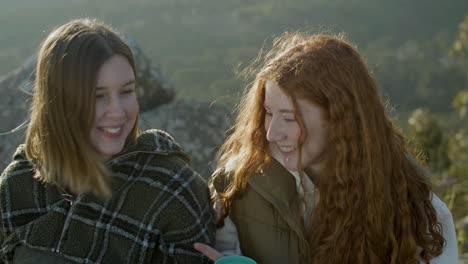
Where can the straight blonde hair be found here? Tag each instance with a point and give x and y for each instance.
(63, 107)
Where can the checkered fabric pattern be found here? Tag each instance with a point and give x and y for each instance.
(158, 209)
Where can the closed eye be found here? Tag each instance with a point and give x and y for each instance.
(289, 117)
(127, 91)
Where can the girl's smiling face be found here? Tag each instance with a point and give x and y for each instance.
(283, 131)
(116, 106)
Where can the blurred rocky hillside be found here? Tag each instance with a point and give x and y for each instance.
(198, 126)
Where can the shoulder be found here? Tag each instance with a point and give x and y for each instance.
(444, 216)
(17, 191)
(154, 149)
(443, 213)
(157, 141)
(166, 157)
(221, 180)
(224, 176)
(19, 167)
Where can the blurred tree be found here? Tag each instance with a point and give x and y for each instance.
(427, 134)
(458, 154)
(447, 147)
(461, 103)
(416, 74)
(446, 151)
(460, 46)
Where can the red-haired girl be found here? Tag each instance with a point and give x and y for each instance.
(315, 171)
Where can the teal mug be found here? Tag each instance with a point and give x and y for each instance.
(235, 260)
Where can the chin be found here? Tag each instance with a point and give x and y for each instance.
(111, 152)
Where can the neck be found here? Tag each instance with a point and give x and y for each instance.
(312, 174)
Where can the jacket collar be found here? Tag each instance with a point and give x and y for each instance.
(277, 185)
(158, 141)
(152, 141)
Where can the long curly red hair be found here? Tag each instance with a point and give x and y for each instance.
(374, 204)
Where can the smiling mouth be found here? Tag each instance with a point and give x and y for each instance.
(287, 149)
(111, 130)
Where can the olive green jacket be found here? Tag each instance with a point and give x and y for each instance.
(268, 218)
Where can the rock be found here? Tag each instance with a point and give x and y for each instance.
(198, 126)
(153, 88)
(15, 89)
(8, 145)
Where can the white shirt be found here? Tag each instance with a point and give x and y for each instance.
(444, 216)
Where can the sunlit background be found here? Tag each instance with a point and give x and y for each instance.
(417, 50)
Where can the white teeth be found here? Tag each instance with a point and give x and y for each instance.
(111, 130)
(287, 148)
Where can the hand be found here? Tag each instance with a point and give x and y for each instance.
(208, 251)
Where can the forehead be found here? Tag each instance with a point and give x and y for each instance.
(275, 97)
(115, 71)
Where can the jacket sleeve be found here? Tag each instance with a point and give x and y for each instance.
(227, 239)
(2, 239)
(188, 218)
(19, 165)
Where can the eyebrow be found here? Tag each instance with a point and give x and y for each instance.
(282, 110)
(125, 84)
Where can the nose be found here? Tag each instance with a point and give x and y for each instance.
(115, 108)
(275, 131)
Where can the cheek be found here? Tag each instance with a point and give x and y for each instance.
(99, 109)
(294, 132)
(267, 123)
(324, 138)
(131, 106)
(317, 141)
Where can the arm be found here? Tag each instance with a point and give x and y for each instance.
(227, 242)
(19, 163)
(227, 239)
(186, 219)
(2, 239)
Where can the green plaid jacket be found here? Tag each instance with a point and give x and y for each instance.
(158, 209)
